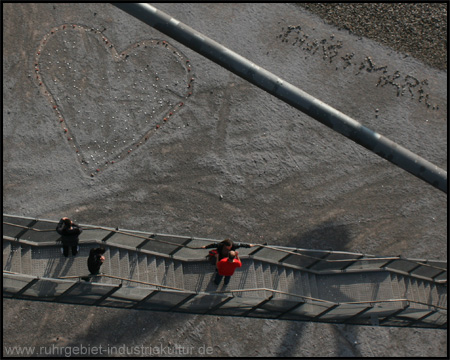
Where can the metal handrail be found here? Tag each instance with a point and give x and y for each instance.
(352, 260)
(330, 302)
(260, 245)
(250, 257)
(79, 277)
(151, 238)
(116, 231)
(123, 279)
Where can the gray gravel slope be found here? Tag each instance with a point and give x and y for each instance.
(284, 178)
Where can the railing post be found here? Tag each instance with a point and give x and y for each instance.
(421, 318)
(257, 306)
(352, 262)
(145, 241)
(283, 259)
(218, 306)
(108, 294)
(181, 246)
(439, 273)
(60, 296)
(107, 237)
(394, 314)
(389, 262)
(325, 311)
(185, 300)
(255, 251)
(21, 233)
(318, 261)
(358, 314)
(290, 309)
(153, 293)
(25, 288)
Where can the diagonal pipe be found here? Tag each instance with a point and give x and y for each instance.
(288, 93)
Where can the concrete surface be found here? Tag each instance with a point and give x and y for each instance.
(231, 162)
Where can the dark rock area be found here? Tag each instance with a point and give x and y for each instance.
(417, 29)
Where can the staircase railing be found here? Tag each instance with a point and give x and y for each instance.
(393, 312)
(179, 248)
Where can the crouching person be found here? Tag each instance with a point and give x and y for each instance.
(95, 260)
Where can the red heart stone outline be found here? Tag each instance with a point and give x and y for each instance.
(117, 58)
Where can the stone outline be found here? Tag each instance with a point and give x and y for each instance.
(330, 50)
(117, 58)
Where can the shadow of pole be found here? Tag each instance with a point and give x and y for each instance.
(330, 235)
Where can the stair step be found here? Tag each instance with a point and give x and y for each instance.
(170, 271)
(114, 262)
(124, 264)
(442, 291)
(178, 274)
(114, 266)
(408, 289)
(421, 291)
(298, 283)
(6, 255)
(197, 276)
(427, 289)
(414, 289)
(27, 267)
(14, 259)
(435, 295)
(267, 275)
(305, 284)
(279, 278)
(259, 273)
(165, 271)
(313, 285)
(142, 267)
(134, 265)
(290, 281)
(152, 272)
(395, 286)
(401, 286)
(250, 277)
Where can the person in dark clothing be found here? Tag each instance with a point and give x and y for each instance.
(95, 260)
(225, 246)
(69, 232)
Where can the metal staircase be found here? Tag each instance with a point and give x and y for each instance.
(170, 273)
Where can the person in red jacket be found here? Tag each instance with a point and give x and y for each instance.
(226, 267)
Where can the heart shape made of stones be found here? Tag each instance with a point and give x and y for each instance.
(109, 103)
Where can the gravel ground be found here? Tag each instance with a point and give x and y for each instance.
(418, 29)
(231, 162)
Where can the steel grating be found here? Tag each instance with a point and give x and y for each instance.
(198, 275)
(201, 295)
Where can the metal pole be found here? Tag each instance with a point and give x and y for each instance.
(290, 94)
